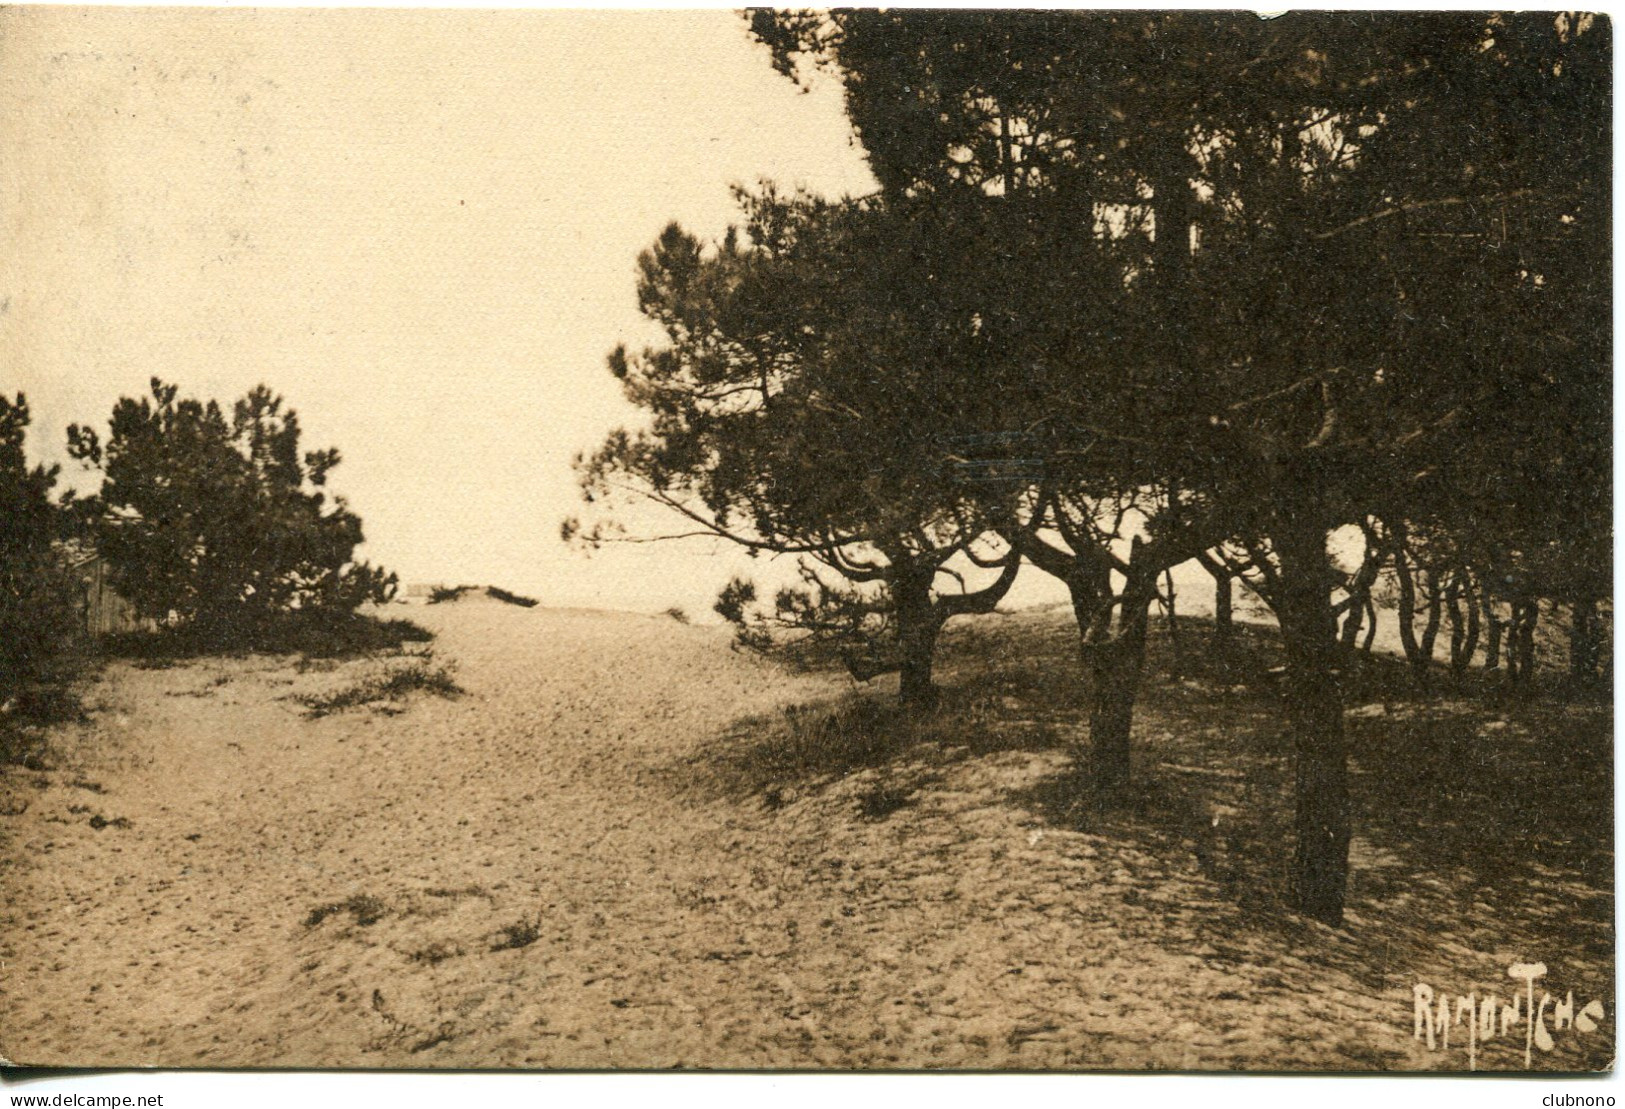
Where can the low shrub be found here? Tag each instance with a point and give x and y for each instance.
(511, 598)
(521, 933)
(314, 634)
(363, 908)
(392, 685)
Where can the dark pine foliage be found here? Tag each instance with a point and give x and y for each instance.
(216, 522)
(39, 605)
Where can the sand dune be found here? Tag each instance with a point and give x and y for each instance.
(544, 873)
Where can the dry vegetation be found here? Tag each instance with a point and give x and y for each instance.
(445, 594)
(388, 686)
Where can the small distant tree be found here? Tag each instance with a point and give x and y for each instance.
(38, 614)
(218, 521)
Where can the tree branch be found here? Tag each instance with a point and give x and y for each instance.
(715, 529)
(1418, 205)
(984, 600)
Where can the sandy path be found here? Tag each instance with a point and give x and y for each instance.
(181, 938)
(656, 922)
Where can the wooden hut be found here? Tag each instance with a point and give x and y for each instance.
(105, 612)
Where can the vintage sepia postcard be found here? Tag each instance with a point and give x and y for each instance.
(968, 539)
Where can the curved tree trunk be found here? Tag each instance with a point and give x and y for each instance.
(1100, 629)
(1352, 622)
(1431, 586)
(1457, 623)
(1224, 603)
(1115, 669)
(1358, 603)
(1315, 712)
(1090, 584)
(1471, 647)
(1115, 662)
(1407, 611)
(1176, 662)
(1496, 629)
(920, 616)
(918, 624)
(918, 645)
(1514, 629)
(1585, 642)
(1224, 608)
(1525, 616)
(1084, 603)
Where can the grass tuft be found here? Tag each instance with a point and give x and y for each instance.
(363, 908)
(521, 933)
(416, 676)
(436, 953)
(877, 804)
(457, 892)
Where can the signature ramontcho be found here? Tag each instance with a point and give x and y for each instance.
(1490, 1017)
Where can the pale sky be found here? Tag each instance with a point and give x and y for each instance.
(419, 226)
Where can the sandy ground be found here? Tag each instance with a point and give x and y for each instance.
(552, 871)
